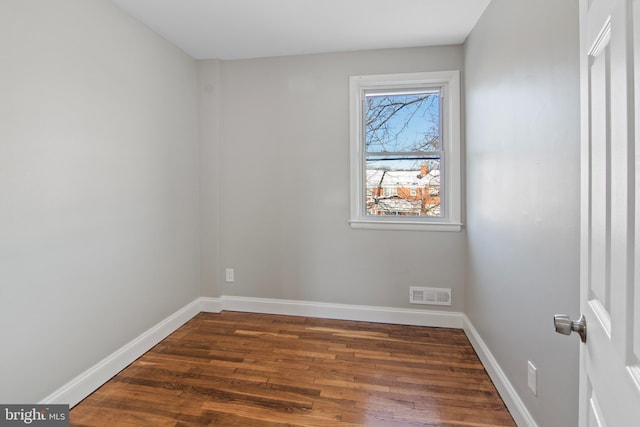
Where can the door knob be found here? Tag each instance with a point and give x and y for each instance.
(564, 325)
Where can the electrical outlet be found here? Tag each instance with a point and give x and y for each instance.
(230, 275)
(532, 378)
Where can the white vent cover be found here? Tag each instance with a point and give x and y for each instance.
(433, 296)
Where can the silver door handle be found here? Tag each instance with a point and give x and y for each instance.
(564, 325)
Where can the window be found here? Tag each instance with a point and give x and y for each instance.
(389, 191)
(405, 136)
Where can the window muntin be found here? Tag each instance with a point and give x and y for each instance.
(405, 151)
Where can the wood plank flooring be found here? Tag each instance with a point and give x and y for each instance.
(243, 369)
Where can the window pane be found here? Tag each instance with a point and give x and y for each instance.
(408, 187)
(402, 122)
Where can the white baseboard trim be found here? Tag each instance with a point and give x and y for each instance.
(514, 403)
(402, 316)
(210, 305)
(90, 380)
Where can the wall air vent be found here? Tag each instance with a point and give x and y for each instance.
(431, 296)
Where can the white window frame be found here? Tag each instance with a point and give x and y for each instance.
(451, 168)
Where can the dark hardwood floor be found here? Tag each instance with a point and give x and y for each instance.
(244, 369)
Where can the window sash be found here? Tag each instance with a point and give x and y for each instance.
(437, 154)
(437, 89)
(432, 155)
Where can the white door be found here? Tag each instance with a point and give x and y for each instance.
(610, 224)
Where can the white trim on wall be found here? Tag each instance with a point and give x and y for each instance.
(403, 316)
(509, 395)
(86, 383)
(448, 85)
(210, 305)
(90, 380)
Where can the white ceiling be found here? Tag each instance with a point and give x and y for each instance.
(234, 29)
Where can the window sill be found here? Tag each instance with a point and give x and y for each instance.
(405, 225)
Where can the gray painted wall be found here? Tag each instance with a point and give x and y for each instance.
(209, 185)
(98, 188)
(522, 127)
(284, 182)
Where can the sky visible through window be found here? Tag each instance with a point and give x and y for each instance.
(402, 122)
